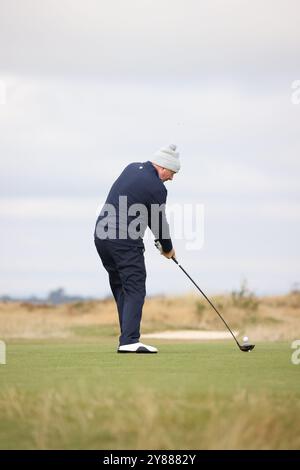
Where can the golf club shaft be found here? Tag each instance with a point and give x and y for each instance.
(182, 269)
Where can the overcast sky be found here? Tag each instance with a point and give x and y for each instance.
(88, 86)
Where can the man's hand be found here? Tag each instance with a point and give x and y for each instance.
(166, 254)
(169, 254)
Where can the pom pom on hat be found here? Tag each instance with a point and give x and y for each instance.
(167, 157)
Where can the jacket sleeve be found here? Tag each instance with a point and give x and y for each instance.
(158, 221)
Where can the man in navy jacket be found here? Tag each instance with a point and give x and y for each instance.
(136, 200)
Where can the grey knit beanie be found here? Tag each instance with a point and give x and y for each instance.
(167, 157)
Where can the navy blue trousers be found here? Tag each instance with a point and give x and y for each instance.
(125, 265)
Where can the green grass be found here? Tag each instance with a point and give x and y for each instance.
(82, 395)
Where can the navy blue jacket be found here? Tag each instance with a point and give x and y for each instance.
(139, 183)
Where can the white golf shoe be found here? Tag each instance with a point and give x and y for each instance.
(138, 348)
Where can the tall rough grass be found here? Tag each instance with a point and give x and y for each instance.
(64, 419)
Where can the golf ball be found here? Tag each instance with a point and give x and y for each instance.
(245, 339)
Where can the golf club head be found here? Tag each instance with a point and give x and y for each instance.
(247, 347)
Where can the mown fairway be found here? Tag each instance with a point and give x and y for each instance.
(78, 393)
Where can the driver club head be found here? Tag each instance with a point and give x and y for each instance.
(247, 347)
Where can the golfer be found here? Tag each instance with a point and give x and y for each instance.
(136, 200)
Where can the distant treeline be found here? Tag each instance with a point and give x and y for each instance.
(55, 297)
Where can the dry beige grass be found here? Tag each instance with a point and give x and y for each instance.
(275, 318)
(58, 419)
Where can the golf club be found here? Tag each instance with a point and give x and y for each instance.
(244, 347)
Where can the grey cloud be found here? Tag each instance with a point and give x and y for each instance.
(94, 85)
(171, 39)
(64, 137)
